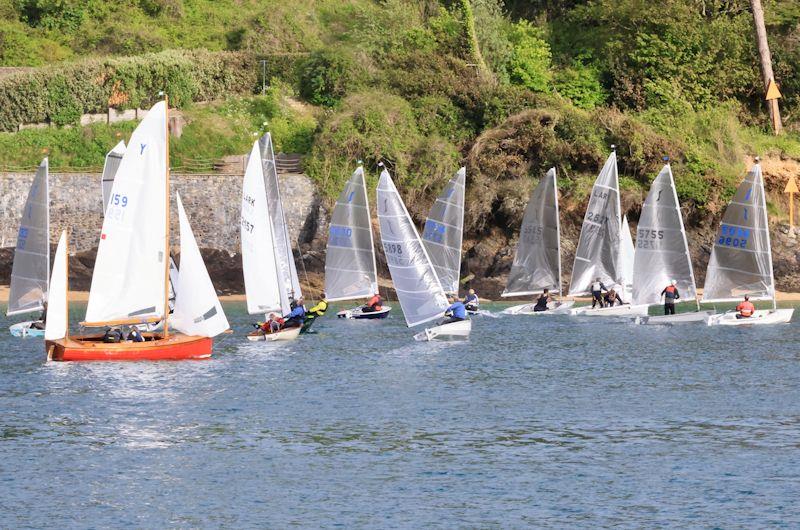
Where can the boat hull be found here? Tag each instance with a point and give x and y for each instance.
(760, 317)
(615, 311)
(92, 348)
(284, 334)
(454, 331)
(562, 308)
(357, 314)
(24, 330)
(680, 318)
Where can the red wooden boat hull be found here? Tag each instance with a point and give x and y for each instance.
(92, 348)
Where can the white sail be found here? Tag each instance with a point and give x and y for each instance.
(662, 251)
(31, 269)
(283, 245)
(259, 265)
(56, 325)
(128, 278)
(197, 308)
(626, 257)
(741, 259)
(444, 231)
(110, 167)
(537, 260)
(418, 288)
(598, 249)
(350, 270)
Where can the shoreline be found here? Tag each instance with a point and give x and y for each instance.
(83, 296)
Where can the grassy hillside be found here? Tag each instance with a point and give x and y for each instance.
(509, 87)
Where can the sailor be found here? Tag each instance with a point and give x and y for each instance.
(134, 335)
(670, 294)
(456, 312)
(542, 301)
(612, 297)
(597, 292)
(297, 316)
(40, 324)
(471, 301)
(746, 308)
(373, 304)
(315, 312)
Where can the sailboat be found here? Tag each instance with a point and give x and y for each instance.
(350, 269)
(265, 275)
(418, 286)
(129, 283)
(537, 260)
(741, 259)
(663, 254)
(30, 272)
(444, 232)
(600, 253)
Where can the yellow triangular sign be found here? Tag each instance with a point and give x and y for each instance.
(772, 91)
(791, 186)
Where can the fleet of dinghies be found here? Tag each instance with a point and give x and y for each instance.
(137, 285)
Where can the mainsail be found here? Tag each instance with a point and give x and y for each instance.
(598, 249)
(627, 253)
(30, 272)
(56, 325)
(110, 167)
(662, 251)
(197, 308)
(415, 280)
(259, 264)
(283, 245)
(741, 259)
(537, 261)
(350, 270)
(128, 279)
(444, 230)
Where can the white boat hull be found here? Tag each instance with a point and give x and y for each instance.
(286, 334)
(446, 332)
(554, 308)
(680, 318)
(357, 313)
(626, 310)
(760, 317)
(24, 329)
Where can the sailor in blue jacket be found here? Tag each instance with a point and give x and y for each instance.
(297, 316)
(456, 312)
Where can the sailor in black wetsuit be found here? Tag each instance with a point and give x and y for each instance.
(542, 301)
(671, 294)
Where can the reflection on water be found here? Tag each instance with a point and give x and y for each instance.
(533, 422)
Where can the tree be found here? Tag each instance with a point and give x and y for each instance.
(766, 61)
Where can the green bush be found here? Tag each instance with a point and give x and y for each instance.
(62, 94)
(529, 64)
(581, 85)
(326, 76)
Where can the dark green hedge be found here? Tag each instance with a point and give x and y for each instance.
(60, 94)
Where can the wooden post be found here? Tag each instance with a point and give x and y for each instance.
(166, 242)
(766, 62)
(791, 188)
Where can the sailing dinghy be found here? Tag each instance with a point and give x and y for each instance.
(662, 254)
(741, 259)
(30, 273)
(267, 278)
(537, 260)
(130, 279)
(419, 290)
(600, 253)
(350, 269)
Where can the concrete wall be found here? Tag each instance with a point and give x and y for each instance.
(212, 203)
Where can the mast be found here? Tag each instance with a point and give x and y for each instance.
(47, 217)
(618, 270)
(369, 219)
(66, 287)
(558, 230)
(166, 238)
(766, 225)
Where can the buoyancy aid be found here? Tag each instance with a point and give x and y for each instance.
(746, 308)
(375, 303)
(670, 293)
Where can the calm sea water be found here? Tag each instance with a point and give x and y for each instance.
(534, 422)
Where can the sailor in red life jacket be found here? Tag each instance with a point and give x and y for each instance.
(373, 305)
(670, 294)
(746, 308)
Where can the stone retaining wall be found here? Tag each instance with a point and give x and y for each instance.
(212, 203)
